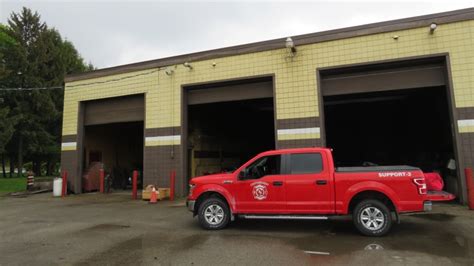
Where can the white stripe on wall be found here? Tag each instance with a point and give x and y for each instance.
(164, 138)
(68, 144)
(298, 131)
(465, 122)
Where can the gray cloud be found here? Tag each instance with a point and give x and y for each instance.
(113, 33)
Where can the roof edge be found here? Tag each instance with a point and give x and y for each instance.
(329, 35)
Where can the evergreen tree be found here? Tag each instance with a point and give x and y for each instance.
(39, 58)
(7, 122)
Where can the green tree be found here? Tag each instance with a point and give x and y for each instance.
(40, 58)
(6, 43)
(7, 122)
(7, 127)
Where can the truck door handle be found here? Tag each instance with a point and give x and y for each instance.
(321, 182)
(277, 183)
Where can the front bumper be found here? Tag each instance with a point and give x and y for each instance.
(190, 204)
(427, 206)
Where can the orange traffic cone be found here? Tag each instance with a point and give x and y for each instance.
(153, 198)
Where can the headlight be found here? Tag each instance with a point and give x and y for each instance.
(191, 188)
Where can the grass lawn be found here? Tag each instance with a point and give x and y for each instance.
(14, 184)
(8, 185)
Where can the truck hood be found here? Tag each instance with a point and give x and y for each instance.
(215, 178)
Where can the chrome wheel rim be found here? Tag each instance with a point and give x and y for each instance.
(214, 214)
(372, 218)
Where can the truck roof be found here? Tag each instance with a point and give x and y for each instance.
(295, 150)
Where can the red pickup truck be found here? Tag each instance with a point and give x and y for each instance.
(304, 184)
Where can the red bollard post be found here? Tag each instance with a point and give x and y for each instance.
(134, 184)
(172, 184)
(470, 188)
(101, 180)
(64, 187)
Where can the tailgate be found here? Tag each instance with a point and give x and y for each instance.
(439, 196)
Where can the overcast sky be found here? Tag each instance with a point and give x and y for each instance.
(110, 33)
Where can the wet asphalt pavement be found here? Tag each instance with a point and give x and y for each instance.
(110, 230)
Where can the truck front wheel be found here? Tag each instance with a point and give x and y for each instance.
(213, 214)
(372, 218)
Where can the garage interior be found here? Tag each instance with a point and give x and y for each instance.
(227, 124)
(393, 114)
(113, 139)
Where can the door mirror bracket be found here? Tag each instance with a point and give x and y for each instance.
(243, 174)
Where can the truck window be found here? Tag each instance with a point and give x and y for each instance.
(306, 163)
(267, 165)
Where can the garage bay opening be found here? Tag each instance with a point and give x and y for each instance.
(118, 148)
(228, 124)
(391, 115)
(113, 140)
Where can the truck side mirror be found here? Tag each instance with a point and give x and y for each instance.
(243, 174)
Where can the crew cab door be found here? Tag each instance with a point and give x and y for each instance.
(260, 186)
(309, 184)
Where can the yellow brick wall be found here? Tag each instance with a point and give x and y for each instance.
(146, 81)
(295, 79)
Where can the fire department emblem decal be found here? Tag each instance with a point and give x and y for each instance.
(260, 191)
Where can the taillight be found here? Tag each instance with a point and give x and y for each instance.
(420, 183)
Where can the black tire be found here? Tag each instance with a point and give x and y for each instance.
(213, 204)
(377, 217)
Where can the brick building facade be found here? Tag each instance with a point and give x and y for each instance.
(297, 80)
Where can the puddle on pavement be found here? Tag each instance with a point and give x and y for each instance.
(106, 227)
(433, 242)
(340, 237)
(177, 206)
(190, 242)
(35, 222)
(145, 248)
(440, 217)
(128, 252)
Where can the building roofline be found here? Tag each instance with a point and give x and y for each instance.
(323, 36)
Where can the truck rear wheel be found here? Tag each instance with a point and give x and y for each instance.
(213, 214)
(372, 218)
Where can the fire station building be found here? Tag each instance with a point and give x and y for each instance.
(399, 92)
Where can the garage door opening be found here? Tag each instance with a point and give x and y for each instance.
(228, 124)
(112, 138)
(396, 112)
(402, 127)
(119, 148)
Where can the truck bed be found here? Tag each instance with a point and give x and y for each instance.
(376, 168)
